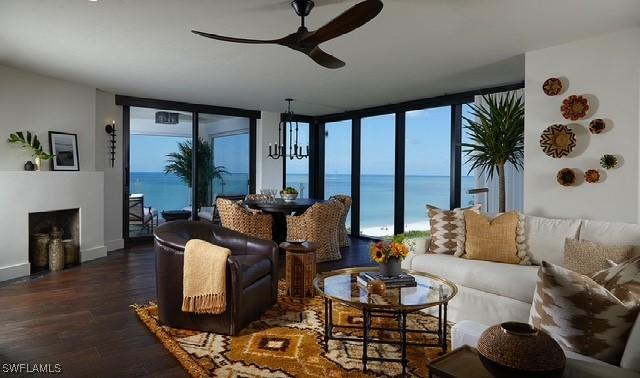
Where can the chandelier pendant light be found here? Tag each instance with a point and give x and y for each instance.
(296, 151)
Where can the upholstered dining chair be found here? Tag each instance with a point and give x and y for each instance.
(343, 235)
(235, 216)
(319, 224)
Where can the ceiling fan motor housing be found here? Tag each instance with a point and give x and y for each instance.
(302, 7)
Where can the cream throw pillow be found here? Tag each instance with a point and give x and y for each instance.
(448, 229)
(492, 240)
(587, 257)
(581, 315)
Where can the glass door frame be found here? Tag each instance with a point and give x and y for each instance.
(195, 109)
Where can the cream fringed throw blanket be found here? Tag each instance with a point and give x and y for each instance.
(204, 278)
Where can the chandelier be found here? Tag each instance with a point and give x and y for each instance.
(296, 151)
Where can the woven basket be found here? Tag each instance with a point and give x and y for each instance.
(518, 350)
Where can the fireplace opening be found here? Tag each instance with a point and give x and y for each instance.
(58, 231)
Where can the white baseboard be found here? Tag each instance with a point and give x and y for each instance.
(93, 253)
(14, 271)
(114, 245)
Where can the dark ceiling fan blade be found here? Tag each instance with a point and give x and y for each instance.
(324, 59)
(348, 21)
(237, 40)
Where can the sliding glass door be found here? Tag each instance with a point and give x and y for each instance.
(226, 169)
(178, 162)
(159, 176)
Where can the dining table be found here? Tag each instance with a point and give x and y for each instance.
(279, 209)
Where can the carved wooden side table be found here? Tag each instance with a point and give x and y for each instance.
(300, 268)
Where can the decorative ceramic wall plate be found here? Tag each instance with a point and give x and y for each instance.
(597, 126)
(552, 86)
(608, 161)
(592, 176)
(557, 141)
(566, 177)
(574, 107)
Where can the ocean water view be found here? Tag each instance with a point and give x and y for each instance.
(167, 192)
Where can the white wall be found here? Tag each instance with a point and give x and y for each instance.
(268, 171)
(607, 69)
(41, 104)
(107, 111)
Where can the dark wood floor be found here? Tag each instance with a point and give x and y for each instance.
(80, 318)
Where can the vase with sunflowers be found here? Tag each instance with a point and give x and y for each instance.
(389, 254)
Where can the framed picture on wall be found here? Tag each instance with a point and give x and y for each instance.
(64, 148)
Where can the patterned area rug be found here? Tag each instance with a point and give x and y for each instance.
(288, 342)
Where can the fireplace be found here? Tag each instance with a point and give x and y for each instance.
(41, 225)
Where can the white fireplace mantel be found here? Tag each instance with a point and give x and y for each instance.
(22, 193)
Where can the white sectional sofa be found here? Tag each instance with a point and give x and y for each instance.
(491, 293)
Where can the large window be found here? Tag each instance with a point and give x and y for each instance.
(427, 164)
(337, 160)
(298, 169)
(377, 172)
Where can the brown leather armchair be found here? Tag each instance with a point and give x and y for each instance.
(252, 277)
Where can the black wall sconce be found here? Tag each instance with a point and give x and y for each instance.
(111, 130)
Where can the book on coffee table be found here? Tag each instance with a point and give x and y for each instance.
(402, 280)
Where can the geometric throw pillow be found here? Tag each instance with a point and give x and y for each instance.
(623, 280)
(581, 315)
(448, 229)
(587, 257)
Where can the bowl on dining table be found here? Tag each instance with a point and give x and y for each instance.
(289, 197)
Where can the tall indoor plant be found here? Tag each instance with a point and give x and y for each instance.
(180, 163)
(496, 132)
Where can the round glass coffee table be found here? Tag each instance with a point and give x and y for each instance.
(342, 286)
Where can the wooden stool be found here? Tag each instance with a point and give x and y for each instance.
(300, 268)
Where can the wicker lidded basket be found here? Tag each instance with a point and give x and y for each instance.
(514, 349)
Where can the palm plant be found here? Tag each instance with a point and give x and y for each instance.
(496, 130)
(180, 163)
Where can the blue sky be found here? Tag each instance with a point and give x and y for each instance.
(427, 147)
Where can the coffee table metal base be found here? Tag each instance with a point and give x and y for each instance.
(401, 317)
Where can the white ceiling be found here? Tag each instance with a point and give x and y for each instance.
(413, 49)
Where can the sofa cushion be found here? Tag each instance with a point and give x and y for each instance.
(253, 267)
(611, 233)
(491, 240)
(509, 280)
(448, 229)
(587, 257)
(581, 315)
(545, 237)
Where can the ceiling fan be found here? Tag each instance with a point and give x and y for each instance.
(307, 41)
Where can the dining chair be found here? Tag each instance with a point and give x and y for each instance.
(234, 216)
(319, 224)
(343, 234)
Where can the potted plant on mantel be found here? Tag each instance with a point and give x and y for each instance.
(30, 141)
(496, 131)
